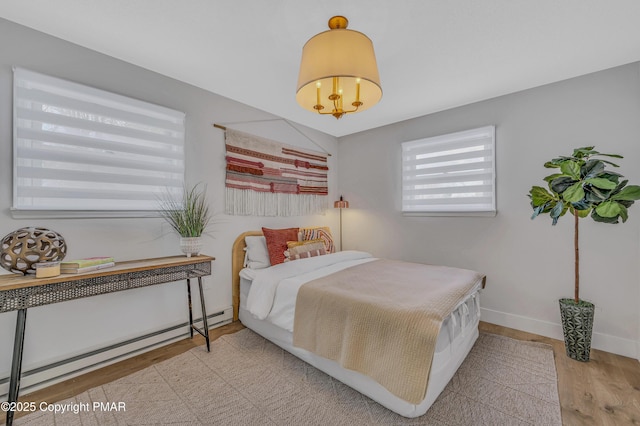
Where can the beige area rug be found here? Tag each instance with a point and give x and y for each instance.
(246, 380)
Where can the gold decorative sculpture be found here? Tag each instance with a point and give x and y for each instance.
(23, 248)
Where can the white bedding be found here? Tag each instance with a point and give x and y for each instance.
(273, 292)
(267, 306)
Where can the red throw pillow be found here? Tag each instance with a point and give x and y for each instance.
(277, 242)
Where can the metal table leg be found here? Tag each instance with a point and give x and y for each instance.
(205, 331)
(190, 309)
(16, 364)
(204, 315)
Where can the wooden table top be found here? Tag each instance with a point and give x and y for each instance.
(14, 281)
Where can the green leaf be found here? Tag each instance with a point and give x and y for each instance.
(565, 209)
(581, 205)
(591, 168)
(610, 163)
(553, 176)
(628, 193)
(600, 193)
(562, 159)
(560, 184)
(539, 196)
(557, 211)
(571, 168)
(583, 213)
(609, 209)
(590, 197)
(601, 183)
(608, 174)
(584, 187)
(619, 187)
(624, 214)
(538, 210)
(574, 193)
(584, 151)
(595, 216)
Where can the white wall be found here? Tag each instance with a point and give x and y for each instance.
(529, 264)
(58, 331)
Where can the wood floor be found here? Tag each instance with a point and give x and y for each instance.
(603, 391)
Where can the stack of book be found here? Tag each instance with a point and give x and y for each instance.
(85, 265)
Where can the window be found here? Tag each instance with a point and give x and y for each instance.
(451, 174)
(77, 148)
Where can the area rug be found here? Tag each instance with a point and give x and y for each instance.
(246, 380)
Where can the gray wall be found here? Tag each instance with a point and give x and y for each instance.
(58, 331)
(529, 264)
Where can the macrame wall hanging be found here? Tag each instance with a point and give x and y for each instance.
(268, 178)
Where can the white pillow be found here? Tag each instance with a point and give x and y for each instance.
(257, 253)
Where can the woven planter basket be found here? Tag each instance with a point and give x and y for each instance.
(577, 327)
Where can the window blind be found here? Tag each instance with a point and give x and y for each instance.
(452, 173)
(81, 148)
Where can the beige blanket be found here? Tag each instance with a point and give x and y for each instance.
(382, 319)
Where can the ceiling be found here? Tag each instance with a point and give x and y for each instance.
(432, 55)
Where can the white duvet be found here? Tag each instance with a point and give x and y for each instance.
(273, 291)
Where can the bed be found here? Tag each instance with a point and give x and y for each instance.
(274, 318)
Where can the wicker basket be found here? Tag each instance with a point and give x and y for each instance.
(577, 326)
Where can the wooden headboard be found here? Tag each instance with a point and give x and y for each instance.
(237, 263)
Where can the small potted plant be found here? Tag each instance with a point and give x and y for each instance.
(584, 188)
(189, 217)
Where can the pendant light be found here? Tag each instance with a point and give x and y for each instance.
(338, 72)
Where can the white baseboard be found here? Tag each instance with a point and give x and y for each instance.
(601, 341)
(38, 378)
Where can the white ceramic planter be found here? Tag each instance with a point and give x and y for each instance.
(191, 245)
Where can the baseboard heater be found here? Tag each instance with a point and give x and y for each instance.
(47, 375)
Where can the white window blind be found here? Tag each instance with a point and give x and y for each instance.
(450, 174)
(81, 148)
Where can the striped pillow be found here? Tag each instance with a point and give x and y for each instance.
(304, 249)
(323, 233)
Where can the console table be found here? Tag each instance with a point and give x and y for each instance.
(18, 293)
